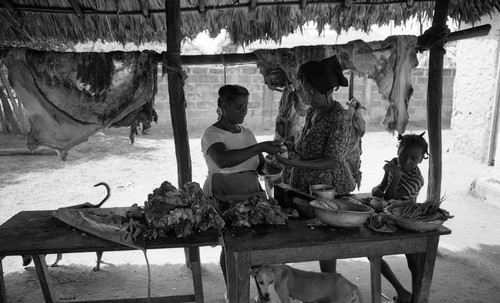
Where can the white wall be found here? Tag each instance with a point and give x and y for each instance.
(475, 92)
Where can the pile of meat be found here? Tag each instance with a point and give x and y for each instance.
(169, 211)
(173, 212)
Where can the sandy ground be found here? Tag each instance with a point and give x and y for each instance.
(467, 268)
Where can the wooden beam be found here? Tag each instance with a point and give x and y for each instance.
(17, 107)
(27, 152)
(9, 117)
(77, 8)
(145, 8)
(434, 103)
(474, 32)
(63, 10)
(176, 93)
(229, 59)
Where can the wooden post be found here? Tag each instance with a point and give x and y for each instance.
(177, 99)
(176, 93)
(434, 103)
(19, 108)
(10, 120)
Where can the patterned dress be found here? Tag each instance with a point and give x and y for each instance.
(327, 138)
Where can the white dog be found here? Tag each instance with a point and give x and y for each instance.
(306, 286)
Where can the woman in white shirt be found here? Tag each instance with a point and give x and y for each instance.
(231, 151)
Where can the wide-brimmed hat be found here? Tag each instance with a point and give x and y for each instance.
(324, 75)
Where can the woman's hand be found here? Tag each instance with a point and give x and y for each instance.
(272, 147)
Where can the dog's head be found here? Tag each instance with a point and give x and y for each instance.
(265, 277)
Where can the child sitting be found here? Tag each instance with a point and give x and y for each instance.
(402, 180)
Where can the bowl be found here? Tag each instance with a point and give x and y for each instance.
(349, 215)
(305, 210)
(414, 225)
(326, 191)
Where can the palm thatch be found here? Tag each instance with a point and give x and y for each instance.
(53, 24)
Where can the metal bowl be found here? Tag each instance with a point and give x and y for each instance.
(326, 191)
(349, 215)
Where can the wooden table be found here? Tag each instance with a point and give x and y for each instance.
(38, 233)
(296, 242)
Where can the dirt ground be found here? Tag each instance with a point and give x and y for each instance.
(467, 269)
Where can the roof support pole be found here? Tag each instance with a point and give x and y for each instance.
(434, 103)
(178, 108)
(176, 93)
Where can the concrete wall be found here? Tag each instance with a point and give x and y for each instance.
(475, 92)
(203, 83)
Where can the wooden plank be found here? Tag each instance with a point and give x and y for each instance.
(4, 123)
(376, 279)
(44, 278)
(176, 93)
(478, 31)
(295, 234)
(166, 299)
(426, 270)
(195, 265)
(238, 271)
(9, 117)
(434, 103)
(27, 152)
(3, 293)
(330, 251)
(19, 108)
(177, 98)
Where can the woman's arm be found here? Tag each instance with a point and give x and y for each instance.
(317, 164)
(224, 157)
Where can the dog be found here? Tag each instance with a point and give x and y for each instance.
(306, 286)
(27, 258)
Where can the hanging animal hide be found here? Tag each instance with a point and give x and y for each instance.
(71, 96)
(389, 63)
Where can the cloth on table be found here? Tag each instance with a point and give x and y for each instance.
(109, 224)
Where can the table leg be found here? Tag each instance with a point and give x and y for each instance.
(238, 272)
(376, 280)
(425, 270)
(44, 278)
(3, 294)
(195, 265)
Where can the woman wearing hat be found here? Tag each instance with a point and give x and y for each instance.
(322, 147)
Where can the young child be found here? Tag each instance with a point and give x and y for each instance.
(403, 180)
(402, 177)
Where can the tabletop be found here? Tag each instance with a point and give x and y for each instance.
(39, 232)
(297, 234)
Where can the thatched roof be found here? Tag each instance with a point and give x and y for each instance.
(55, 23)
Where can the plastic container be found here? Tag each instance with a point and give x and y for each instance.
(326, 191)
(349, 215)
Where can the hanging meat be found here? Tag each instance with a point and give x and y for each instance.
(388, 62)
(71, 96)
